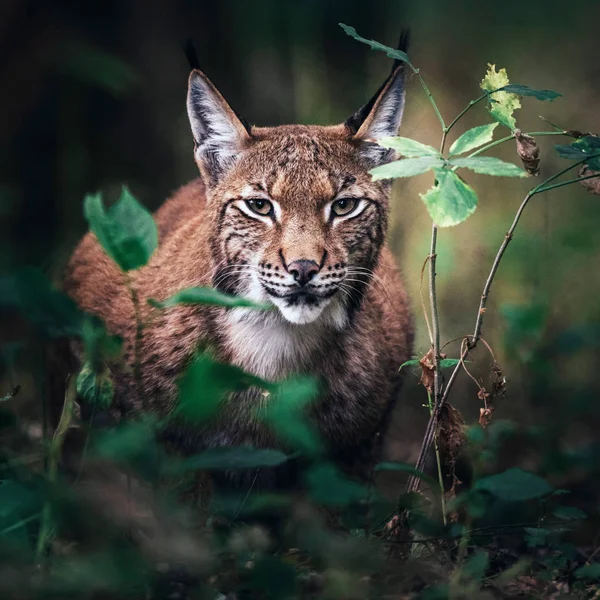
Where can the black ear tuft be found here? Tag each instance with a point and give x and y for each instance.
(355, 122)
(191, 55)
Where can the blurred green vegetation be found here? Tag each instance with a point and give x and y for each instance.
(94, 97)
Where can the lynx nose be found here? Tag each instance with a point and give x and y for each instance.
(303, 270)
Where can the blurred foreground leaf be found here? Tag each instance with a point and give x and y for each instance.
(231, 458)
(126, 231)
(525, 90)
(206, 383)
(329, 487)
(515, 485)
(207, 296)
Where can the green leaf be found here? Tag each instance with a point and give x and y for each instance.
(207, 296)
(286, 413)
(126, 231)
(476, 566)
(446, 363)
(473, 138)
(569, 513)
(514, 485)
(588, 146)
(329, 487)
(405, 468)
(524, 90)
(450, 201)
(230, 459)
(206, 383)
(51, 311)
(409, 363)
(406, 167)
(488, 165)
(588, 572)
(409, 148)
(391, 52)
(95, 388)
(98, 344)
(503, 104)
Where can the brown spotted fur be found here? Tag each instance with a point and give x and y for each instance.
(202, 232)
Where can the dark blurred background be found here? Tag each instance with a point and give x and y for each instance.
(93, 96)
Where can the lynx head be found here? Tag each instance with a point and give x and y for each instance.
(297, 219)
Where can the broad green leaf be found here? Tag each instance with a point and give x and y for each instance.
(473, 138)
(406, 167)
(329, 487)
(408, 148)
(126, 231)
(515, 485)
(405, 468)
(450, 201)
(395, 54)
(206, 383)
(488, 165)
(286, 413)
(524, 90)
(95, 388)
(128, 440)
(51, 311)
(502, 104)
(207, 296)
(591, 571)
(231, 458)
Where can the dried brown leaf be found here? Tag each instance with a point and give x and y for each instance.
(591, 185)
(451, 439)
(485, 416)
(528, 151)
(428, 369)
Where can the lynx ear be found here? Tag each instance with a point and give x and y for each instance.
(379, 118)
(219, 134)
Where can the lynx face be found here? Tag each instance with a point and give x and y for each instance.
(297, 219)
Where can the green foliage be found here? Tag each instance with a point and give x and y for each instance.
(476, 566)
(206, 383)
(588, 572)
(207, 296)
(488, 165)
(52, 312)
(587, 147)
(391, 52)
(524, 90)
(407, 167)
(515, 485)
(126, 231)
(409, 148)
(329, 487)
(503, 104)
(450, 201)
(285, 411)
(473, 138)
(231, 459)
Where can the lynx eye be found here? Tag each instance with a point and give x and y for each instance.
(343, 206)
(260, 206)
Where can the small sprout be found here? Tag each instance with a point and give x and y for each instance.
(529, 152)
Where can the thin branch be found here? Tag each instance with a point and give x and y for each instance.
(413, 482)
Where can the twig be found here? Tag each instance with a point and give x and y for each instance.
(54, 454)
(413, 482)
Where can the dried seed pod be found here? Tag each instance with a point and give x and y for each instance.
(591, 185)
(528, 151)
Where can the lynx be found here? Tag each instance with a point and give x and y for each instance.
(285, 215)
